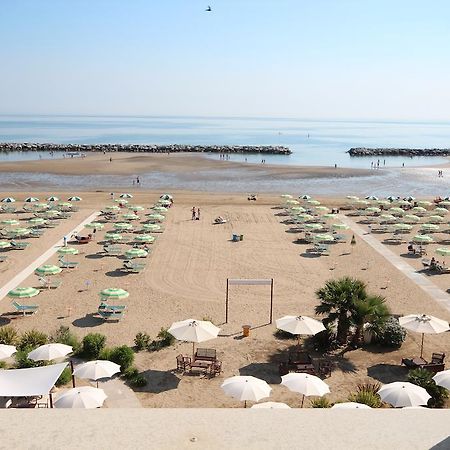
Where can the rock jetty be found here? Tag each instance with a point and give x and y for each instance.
(363, 151)
(144, 148)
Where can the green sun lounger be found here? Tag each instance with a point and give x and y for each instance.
(31, 309)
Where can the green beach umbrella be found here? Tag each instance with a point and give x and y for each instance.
(40, 206)
(304, 217)
(145, 238)
(322, 208)
(429, 227)
(157, 217)
(161, 209)
(65, 204)
(36, 221)
(435, 219)
(411, 218)
(96, 225)
(291, 202)
(286, 196)
(387, 217)
(22, 231)
(313, 202)
(31, 199)
(114, 294)
(418, 209)
(361, 202)
(384, 202)
(313, 226)
(68, 251)
(324, 237)
(443, 251)
(329, 216)
(125, 195)
(373, 209)
(130, 216)
(4, 244)
(48, 269)
(136, 253)
(340, 226)
(440, 211)
(396, 210)
(423, 238)
(352, 197)
(298, 209)
(135, 208)
(112, 208)
(51, 213)
(10, 222)
(75, 198)
(113, 237)
(164, 202)
(151, 227)
(166, 197)
(123, 226)
(121, 200)
(52, 198)
(8, 200)
(444, 203)
(424, 203)
(23, 292)
(402, 226)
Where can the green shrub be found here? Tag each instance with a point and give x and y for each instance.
(424, 379)
(32, 339)
(390, 334)
(281, 334)
(323, 341)
(93, 344)
(63, 335)
(105, 353)
(138, 381)
(367, 394)
(165, 337)
(123, 355)
(142, 341)
(22, 361)
(134, 378)
(8, 335)
(130, 373)
(64, 378)
(2, 364)
(321, 402)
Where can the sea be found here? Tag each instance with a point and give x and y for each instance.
(313, 143)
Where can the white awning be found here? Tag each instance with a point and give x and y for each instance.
(29, 382)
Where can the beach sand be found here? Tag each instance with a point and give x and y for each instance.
(186, 277)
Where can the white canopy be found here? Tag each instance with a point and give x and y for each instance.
(29, 382)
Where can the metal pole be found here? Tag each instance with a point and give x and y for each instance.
(271, 301)
(73, 376)
(421, 347)
(226, 305)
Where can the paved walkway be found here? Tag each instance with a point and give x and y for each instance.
(119, 394)
(21, 276)
(439, 295)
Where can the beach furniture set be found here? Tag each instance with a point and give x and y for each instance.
(204, 362)
(436, 364)
(111, 312)
(301, 362)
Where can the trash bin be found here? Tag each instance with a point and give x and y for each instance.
(246, 330)
(241, 237)
(235, 238)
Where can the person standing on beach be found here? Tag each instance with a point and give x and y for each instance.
(138, 181)
(193, 213)
(198, 213)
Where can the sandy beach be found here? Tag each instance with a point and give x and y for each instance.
(185, 277)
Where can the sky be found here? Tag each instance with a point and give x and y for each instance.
(343, 59)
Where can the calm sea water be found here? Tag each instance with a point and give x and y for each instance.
(317, 143)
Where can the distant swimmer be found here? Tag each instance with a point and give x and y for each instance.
(208, 9)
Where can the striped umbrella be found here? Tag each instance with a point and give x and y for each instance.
(112, 208)
(52, 198)
(4, 244)
(423, 239)
(339, 226)
(164, 202)
(130, 216)
(352, 197)
(371, 197)
(411, 218)
(48, 269)
(68, 251)
(96, 225)
(324, 237)
(286, 196)
(22, 231)
(23, 292)
(121, 200)
(125, 195)
(313, 226)
(10, 222)
(156, 217)
(435, 219)
(166, 196)
(424, 203)
(145, 238)
(402, 226)
(8, 200)
(36, 221)
(443, 251)
(113, 237)
(123, 226)
(440, 211)
(31, 199)
(114, 294)
(74, 199)
(151, 227)
(314, 202)
(159, 209)
(135, 208)
(429, 227)
(418, 210)
(136, 253)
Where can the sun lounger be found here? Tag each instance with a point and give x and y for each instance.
(31, 309)
(50, 283)
(114, 315)
(129, 266)
(112, 251)
(16, 245)
(3, 258)
(220, 220)
(114, 308)
(8, 209)
(34, 233)
(68, 264)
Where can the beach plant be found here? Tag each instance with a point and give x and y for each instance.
(141, 341)
(93, 344)
(2, 364)
(390, 333)
(163, 339)
(123, 355)
(64, 378)
(23, 362)
(134, 378)
(32, 339)
(63, 335)
(424, 379)
(105, 353)
(367, 393)
(321, 402)
(8, 335)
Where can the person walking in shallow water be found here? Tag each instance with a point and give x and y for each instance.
(193, 213)
(198, 213)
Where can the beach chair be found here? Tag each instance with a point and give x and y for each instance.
(215, 368)
(3, 258)
(31, 309)
(115, 308)
(34, 233)
(17, 245)
(8, 209)
(109, 314)
(68, 264)
(183, 363)
(53, 283)
(112, 251)
(129, 266)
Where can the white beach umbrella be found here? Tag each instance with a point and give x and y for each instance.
(244, 388)
(350, 405)
(6, 351)
(422, 323)
(192, 330)
(299, 325)
(86, 397)
(8, 200)
(31, 199)
(95, 370)
(49, 352)
(443, 379)
(75, 198)
(52, 198)
(305, 384)
(400, 394)
(126, 195)
(271, 405)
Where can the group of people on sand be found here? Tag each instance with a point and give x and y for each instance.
(195, 213)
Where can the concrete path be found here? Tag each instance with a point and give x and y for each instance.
(439, 295)
(119, 394)
(21, 276)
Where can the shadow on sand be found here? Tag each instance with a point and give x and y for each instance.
(160, 381)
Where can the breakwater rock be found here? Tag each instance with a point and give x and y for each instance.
(363, 151)
(144, 148)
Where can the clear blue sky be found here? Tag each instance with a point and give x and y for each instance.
(279, 58)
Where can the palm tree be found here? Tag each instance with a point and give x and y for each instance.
(338, 298)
